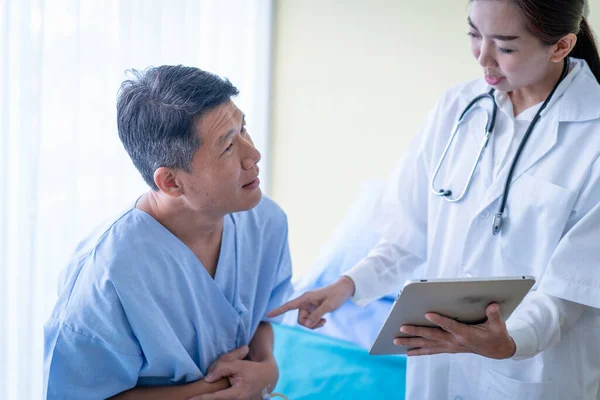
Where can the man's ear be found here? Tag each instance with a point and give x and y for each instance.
(167, 181)
(563, 47)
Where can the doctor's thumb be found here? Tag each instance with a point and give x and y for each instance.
(493, 312)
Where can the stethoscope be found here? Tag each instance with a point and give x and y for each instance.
(489, 128)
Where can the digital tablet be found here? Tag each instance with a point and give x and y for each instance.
(464, 300)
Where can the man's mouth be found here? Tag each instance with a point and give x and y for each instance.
(252, 184)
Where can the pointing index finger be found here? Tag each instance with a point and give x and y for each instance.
(290, 305)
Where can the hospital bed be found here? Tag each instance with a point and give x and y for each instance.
(333, 362)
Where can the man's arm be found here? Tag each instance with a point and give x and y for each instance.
(261, 345)
(180, 392)
(189, 390)
(251, 376)
(261, 350)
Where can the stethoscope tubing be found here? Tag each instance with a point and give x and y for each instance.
(490, 125)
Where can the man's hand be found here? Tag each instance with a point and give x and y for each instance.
(316, 303)
(490, 339)
(247, 378)
(238, 354)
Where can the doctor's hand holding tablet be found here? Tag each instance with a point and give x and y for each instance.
(499, 190)
(414, 328)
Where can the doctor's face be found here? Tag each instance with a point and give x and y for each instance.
(224, 176)
(510, 56)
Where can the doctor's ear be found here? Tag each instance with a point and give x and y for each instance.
(167, 181)
(563, 48)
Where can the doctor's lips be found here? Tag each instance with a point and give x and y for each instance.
(494, 80)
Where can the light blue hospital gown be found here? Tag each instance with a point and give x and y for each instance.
(136, 306)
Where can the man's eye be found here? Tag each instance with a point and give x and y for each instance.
(229, 147)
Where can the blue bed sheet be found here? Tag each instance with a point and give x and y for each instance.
(313, 366)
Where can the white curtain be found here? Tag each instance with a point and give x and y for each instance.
(62, 167)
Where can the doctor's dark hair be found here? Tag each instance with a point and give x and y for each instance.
(157, 112)
(551, 20)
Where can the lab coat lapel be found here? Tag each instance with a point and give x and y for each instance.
(579, 102)
(543, 138)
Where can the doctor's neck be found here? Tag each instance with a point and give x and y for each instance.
(187, 224)
(528, 96)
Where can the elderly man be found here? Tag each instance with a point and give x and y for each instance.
(168, 300)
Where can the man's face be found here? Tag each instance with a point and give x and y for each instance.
(224, 176)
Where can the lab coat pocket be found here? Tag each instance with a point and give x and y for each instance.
(495, 386)
(536, 215)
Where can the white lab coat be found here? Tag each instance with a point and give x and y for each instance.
(551, 232)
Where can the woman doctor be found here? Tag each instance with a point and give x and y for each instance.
(541, 59)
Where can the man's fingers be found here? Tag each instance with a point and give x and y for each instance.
(290, 305)
(240, 353)
(234, 392)
(221, 370)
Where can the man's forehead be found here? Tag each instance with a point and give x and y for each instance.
(219, 120)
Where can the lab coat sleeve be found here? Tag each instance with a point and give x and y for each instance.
(540, 322)
(571, 283)
(573, 271)
(381, 272)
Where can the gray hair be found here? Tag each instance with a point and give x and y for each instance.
(157, 111)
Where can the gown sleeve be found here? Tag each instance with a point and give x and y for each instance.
(282, 288)
(90, 351)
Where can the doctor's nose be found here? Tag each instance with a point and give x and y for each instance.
(485, 55)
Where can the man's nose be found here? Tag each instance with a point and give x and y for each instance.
(252, 157)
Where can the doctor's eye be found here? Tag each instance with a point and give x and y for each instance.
(473, 35)
(505, 51)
